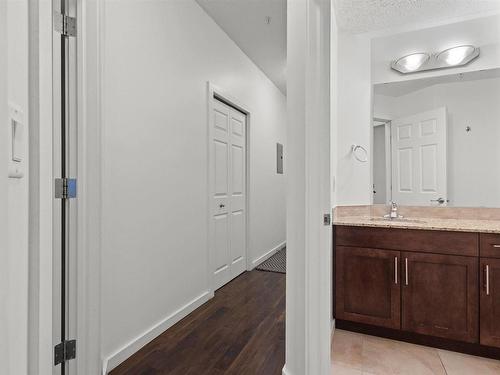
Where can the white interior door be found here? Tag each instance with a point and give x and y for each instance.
(419, 158)
(228, 193)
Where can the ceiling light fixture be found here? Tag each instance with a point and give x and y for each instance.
(456, 55)
(413, 62)
(449, 58)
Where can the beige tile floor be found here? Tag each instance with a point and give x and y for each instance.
(357, 354)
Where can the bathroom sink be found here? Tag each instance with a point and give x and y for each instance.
(398, 220)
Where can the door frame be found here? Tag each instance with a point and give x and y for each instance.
(40, 348)
(90, 86)
(309, 240)
(388, 156)
(213, 93)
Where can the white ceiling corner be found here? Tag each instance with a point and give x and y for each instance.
(244, 21)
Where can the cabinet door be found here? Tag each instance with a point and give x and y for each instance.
(368, 286)
(490, 302)
(439, 295)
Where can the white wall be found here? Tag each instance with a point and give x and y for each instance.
(154, 236)
(354, 118)
(473, 157)
(17, 51)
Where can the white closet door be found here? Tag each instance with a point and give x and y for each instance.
(237, 191)
(228, 187)
(419, 158)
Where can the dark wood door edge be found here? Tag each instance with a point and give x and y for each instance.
(414, 338)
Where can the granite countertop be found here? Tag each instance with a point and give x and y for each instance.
(424, 218)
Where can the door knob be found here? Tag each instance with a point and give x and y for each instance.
(440, 200)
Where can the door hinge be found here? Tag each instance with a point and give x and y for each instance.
(65, 188)
(64, 24)
(64, 351)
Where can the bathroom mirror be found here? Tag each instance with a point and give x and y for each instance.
(436, 141)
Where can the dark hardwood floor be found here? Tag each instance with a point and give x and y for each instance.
(240, 331)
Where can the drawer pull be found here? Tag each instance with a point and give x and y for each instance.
(496, 246)
(396, 270)
(406, 271)
(440, 327)
(487, 280)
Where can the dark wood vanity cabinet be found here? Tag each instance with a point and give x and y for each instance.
(429, 284)
(490, 302)
(368, 287)
(439, 295)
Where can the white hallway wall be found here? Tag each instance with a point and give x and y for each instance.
(474, 157)
(154, 244)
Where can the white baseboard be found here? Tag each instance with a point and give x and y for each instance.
(268, 255)
(104, 370)
(133, 346)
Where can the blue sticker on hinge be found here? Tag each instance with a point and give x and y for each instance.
(71, 188)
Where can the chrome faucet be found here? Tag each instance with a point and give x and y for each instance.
(394, 212)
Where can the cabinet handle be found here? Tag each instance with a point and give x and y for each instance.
(487, 280)
(406, 271)
(496, 246)
(396, 270)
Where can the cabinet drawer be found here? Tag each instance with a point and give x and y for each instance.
(490, 245)
(439, 242)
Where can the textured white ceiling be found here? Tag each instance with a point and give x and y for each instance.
(358, 16)
(245, 23)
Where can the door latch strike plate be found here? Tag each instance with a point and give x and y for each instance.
(327, 219)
